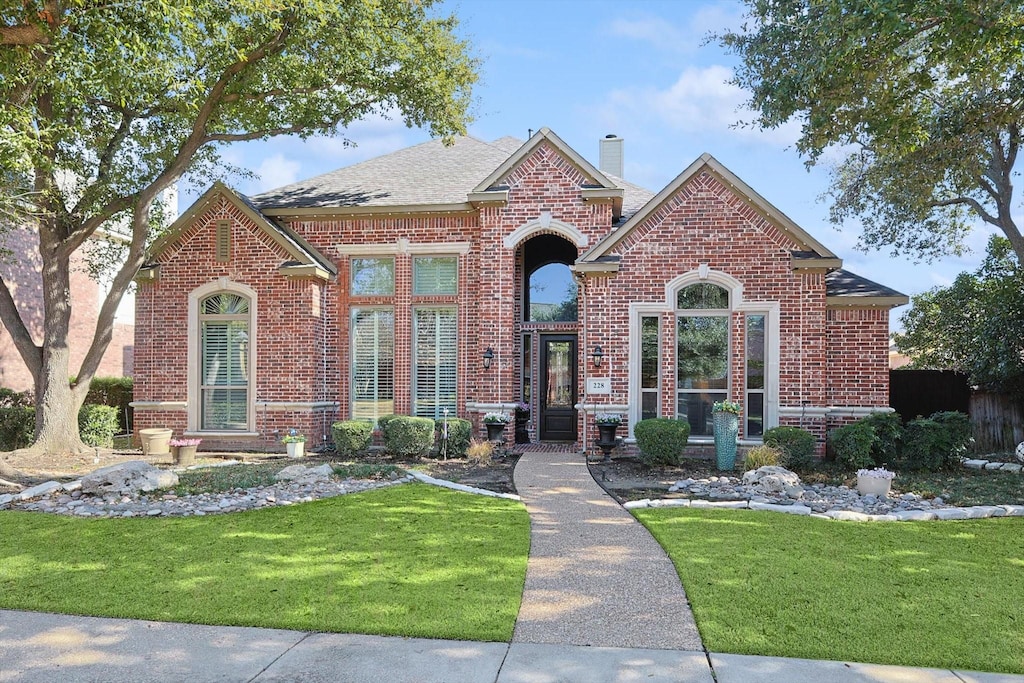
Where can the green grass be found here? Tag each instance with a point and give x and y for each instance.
(933, 594)
(409, 560)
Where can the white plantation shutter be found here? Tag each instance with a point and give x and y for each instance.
(224, 385)
(434, 359)
(435, 275)
(373, 363)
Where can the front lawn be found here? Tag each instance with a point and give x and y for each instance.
(932, 594)
(409, 560)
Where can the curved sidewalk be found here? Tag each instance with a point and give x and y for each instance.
(595, 575)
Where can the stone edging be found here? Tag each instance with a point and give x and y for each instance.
(982, 464)
(941, 514)
(426, 479)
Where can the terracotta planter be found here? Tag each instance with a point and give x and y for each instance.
(874, 486)
(184, 455)
(295, 448)
(156, 441)
(727, 427)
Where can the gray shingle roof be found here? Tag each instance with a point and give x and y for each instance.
(846, 284)
(425, 174)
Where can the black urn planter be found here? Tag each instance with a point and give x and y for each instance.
(606, 440)
(522, 421)
(495, 431)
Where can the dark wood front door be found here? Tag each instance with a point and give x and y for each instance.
(558, 393)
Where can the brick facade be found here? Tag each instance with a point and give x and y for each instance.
(826, 360)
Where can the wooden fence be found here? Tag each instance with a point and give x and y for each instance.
(998, 422)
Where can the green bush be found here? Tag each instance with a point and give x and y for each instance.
(888, 436)
(797, 445)
(97, 425)
(383, 420)
(459, 433)
(762, 456)
(851, 444)
(404, 435)
(17, 419)
(661, 440)
(115, 392)
(351, 436)
(935, 443)
(960, 433)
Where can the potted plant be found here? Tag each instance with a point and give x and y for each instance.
(495, 424)
(726, 420)
(607, 424)
(184, 450)
(295, 443)
(874, 482)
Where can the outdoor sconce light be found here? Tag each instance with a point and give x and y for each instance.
(598, 356)
(488, 357)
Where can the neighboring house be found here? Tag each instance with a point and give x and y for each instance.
(382, 287)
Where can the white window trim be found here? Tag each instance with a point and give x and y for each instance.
(195, 341)
(771, 309)
(545, 223)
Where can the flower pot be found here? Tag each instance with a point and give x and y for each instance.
(184, 455)
(606, 434)
(874, 486)
(727, 427)
(495, 431)
(295, 448)
(156, 441)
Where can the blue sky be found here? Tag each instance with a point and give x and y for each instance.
(641, 69)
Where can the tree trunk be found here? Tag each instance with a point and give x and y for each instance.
(57, 402)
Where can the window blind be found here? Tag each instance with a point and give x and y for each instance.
(373, 363)
(435, 275)
(435, 358)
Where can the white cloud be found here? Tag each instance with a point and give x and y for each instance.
(275, 171)
(702, 100)
(668, 36)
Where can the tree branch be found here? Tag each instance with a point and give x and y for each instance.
(27, 348)
(970, 202)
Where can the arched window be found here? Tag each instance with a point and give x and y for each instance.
(702, 353)
(552, 294)
(224, 385)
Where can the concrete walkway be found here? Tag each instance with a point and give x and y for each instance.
(595, 575)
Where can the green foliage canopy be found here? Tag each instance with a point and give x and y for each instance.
(925, 96)
(974, 326)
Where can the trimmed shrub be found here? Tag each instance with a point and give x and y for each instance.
(661, 440)
(17, 419)
(935, 443)
(852, 445)
(97, 425)
(762, 456)
(115, 392)
(888, 436)
(351, 436)
(797, 445)
(407, 436)
(459, 433)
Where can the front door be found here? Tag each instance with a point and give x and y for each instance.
(558, 387)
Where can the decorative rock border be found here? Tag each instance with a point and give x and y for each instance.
(941, 514)
(68, 499)
(982, 464)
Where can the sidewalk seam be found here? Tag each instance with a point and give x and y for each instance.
(276, 659)
(497, 675)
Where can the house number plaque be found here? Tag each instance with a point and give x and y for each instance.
(599, 385)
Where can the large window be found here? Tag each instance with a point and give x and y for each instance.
(224, 384)
(702, 354)
(434, 358)
(373, 363)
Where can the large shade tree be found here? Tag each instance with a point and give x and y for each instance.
(926, 96)
(105, 105)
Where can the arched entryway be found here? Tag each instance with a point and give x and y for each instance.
(549, 328)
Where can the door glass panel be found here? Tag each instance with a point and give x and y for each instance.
(559, 375)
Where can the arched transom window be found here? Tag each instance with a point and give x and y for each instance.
(224, 384)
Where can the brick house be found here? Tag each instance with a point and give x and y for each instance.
(471, 277)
